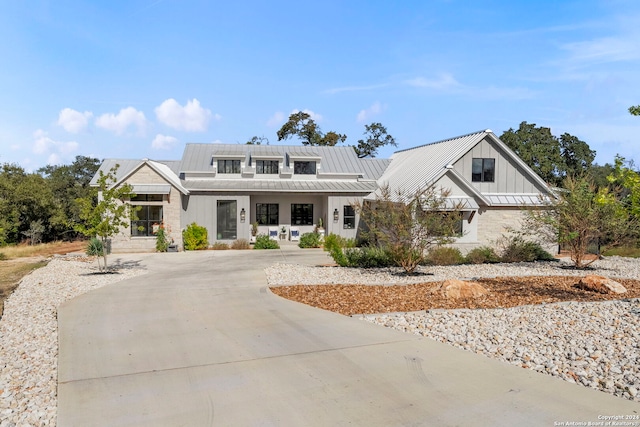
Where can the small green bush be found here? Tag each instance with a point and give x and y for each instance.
(333, 245)
(309, 240)
(220, 246)
(482, 255)
(368, 257)
(2, 256)
(264, 242)
(95, 247)
(516, 249)
(336, 239)
(162, 242)
(195, 237)
(444, 255)
(240, 244)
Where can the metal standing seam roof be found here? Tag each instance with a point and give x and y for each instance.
(127, 166)
(293, 186)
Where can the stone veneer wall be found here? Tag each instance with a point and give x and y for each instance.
(171, 207)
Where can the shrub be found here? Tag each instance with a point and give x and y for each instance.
(195, 237)
(220, 246)
(482, 255)
(240, 244)
(333, 245)
(368, 257)
(264, 242)
(2, 256)
(309, 240)
(444, 255)
(343, 242)
(95, 247)
(516, 249)
(162, 242)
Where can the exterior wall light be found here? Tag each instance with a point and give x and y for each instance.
(336, 215)
(243, 215)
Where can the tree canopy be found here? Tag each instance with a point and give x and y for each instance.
(551, 157)
(301, 125)
(376, 137)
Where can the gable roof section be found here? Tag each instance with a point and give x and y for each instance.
(127, 167)
(420, 167)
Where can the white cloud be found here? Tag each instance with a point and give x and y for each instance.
(74, 121)
(121, 122)
(314, 116)
(443, 82)
(191, 118)
(163, 142)
(277, 119)
(367, 113)
(43, 144)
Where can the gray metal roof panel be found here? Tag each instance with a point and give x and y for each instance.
(152, 188)
(306, 186)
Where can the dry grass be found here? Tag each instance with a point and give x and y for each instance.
(23, 259)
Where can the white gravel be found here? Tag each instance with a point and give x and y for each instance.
(596, 345)
(29, 337)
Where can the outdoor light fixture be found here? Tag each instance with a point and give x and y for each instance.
(336, 215)
(242, 215)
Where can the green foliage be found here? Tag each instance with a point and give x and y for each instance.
(407, 225)
(342, 242)
(309, 240)
(516, 249)
(240, 244)
(195, 237)
(634, 110)
(581, 215)
(376, 137)
(2, 256)
(258, 140)
(550, 157)
(220, 246)
(369, 257)
(95, 247)
(623, 175)
(106, 217)
(444, 255)
(334, 244)
(301, 125)
(264, 242)
(162, 241)
(35, 232)
(482, 255)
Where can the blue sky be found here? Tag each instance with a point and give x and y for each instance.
(140, 78)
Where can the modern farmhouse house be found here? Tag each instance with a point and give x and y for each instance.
(227, 187)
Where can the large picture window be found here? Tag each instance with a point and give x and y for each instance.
(349, 217)
(266, 166)
(227, 223)
(267, 213)
(304, 168)
(148, 222)
(301, 214)
(228, 166)
(483, 170)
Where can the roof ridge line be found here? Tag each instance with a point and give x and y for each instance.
(445, 140)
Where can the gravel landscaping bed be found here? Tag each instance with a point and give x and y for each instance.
(29, 337)
(540, 324)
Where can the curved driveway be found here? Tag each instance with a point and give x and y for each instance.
(200, 341)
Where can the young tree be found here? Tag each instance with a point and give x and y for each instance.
(634, 110)
(301, 124)
(105, 218)
(407, 225)
(376, 137)
(579, 216)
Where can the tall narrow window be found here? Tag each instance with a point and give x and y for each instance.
(483, 170)
(304, 168)
(267, 213)
(301, 214)
(349, 217)
(267, 166)
(228, 166)
(227, 222)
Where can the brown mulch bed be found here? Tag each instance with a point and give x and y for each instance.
(503, 292)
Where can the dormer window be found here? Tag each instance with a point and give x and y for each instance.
(267, 166)
(483, 170)
(228, 166)
(304, 167)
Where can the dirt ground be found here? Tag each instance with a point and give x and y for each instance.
(14, 269)
(503, 292)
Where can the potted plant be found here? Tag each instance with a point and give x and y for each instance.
(320, 229)
(283, 233)
(254, 232)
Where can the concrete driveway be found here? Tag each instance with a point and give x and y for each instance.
(200, 341)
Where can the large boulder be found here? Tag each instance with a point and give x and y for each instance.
(454, 289)
(600, 284)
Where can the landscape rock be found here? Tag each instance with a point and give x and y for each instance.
(454, 288)
(600, 284)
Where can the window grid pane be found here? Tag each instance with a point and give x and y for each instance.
(228, 166)
(302, 214)
(349, 217)
(304, 168)
(267, 166)
(148, 222)
(267, 213)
